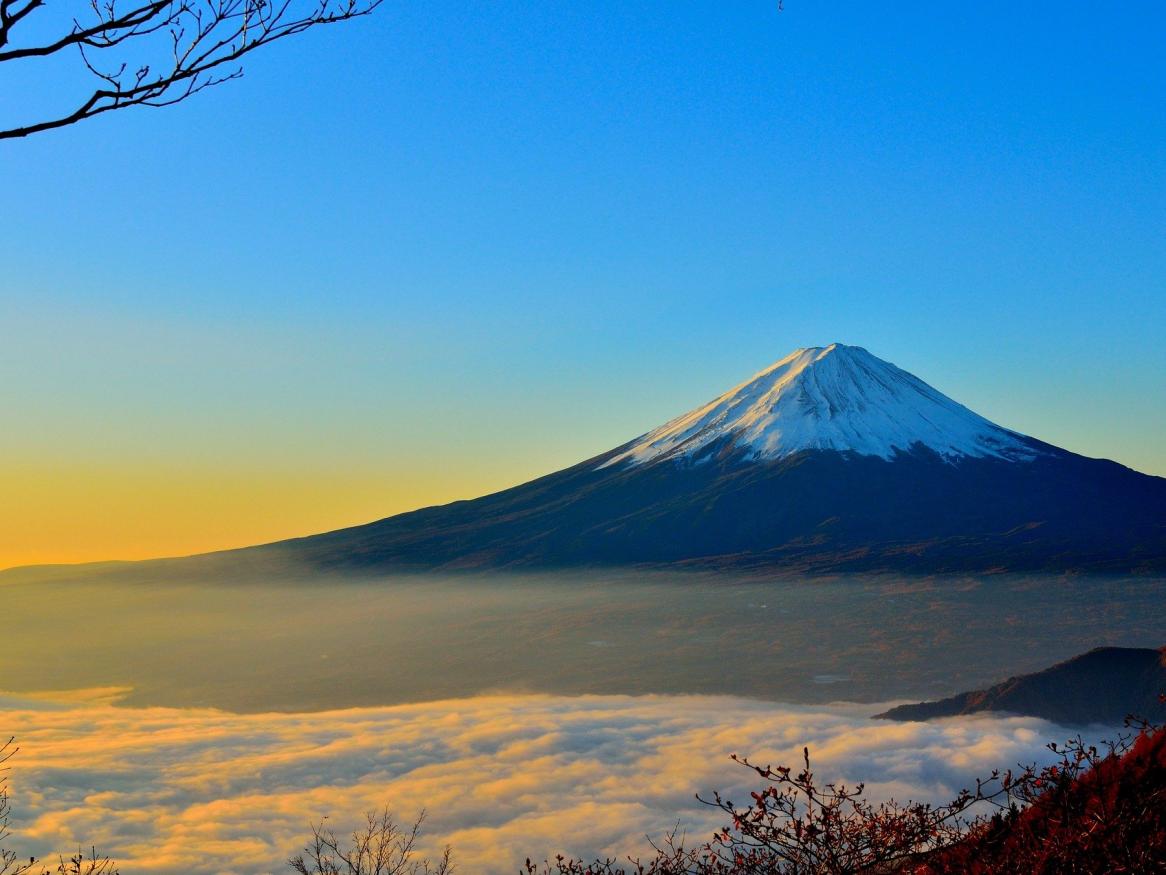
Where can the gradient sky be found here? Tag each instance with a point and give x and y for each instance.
(451, 247)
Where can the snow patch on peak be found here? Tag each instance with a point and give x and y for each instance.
(835, 397)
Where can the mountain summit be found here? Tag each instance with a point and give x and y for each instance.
(830, 398)
(829, 460)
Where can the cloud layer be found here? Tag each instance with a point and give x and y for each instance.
(204, 791)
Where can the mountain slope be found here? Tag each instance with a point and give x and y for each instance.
(1101, 686)
(830, 460)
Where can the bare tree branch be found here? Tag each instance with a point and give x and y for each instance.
(380, 847)
(169, 49)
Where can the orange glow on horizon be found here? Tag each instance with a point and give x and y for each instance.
(91, 514)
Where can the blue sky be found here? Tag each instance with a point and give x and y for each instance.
(450, 247)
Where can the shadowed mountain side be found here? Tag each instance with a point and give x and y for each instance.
(812, 511)
(1101, 686)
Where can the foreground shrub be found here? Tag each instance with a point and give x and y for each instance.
(1093, 811)
(380, 847)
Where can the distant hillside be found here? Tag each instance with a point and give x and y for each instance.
(1101, 686)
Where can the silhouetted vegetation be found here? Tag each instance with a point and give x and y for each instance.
(1092, 812)
(380, 847)
(1096, 810)
(151, 52)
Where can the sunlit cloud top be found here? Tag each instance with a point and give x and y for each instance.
(170, 791)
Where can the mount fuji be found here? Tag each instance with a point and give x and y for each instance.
(838, 398)
(829, 460)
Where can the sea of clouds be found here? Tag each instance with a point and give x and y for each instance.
(168, 790)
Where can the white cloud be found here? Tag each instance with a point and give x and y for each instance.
(503, 777)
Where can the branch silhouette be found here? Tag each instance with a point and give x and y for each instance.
(158, 53)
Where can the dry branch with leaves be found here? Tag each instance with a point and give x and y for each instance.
(1097, 809)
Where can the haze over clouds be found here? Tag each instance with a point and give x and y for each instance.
(168, 790)
(328, 643)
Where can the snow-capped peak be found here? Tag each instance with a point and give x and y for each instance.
(830, 398)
